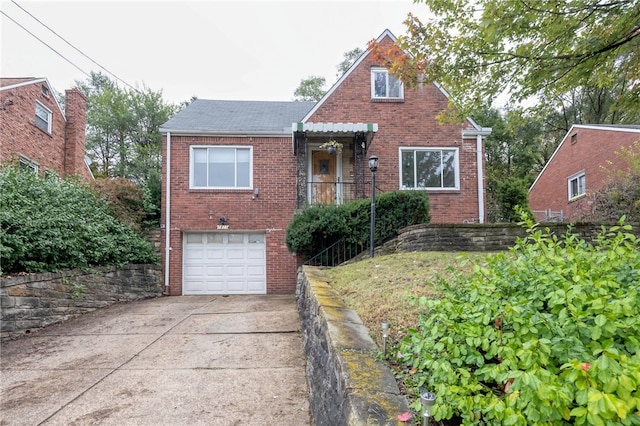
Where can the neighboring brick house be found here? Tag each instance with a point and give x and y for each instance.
(235, 172)
(577, 168)
(36, 133)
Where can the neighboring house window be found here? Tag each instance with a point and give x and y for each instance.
(429, 168)
(221, 167)
(43, 117)
(26, 164)
(384, 85)
(577, 185)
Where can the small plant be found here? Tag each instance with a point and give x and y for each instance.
(332, 146)
(77, 291)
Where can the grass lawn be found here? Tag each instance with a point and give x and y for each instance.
(379, 289)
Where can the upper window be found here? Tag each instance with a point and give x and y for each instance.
(43, 117)
(221, 167)
(577, 185)
(429, 168)
(384, 85)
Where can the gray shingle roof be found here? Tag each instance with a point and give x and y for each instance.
(244, 117)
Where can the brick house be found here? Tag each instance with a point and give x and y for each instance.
(37, 133)
(235, 172)
(575, 169)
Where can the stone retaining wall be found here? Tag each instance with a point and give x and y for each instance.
(476, 237)
(32, 301)
(347, 385)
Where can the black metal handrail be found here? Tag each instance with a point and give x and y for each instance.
(337, 253)
(336, 192)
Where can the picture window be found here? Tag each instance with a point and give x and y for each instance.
(429, 168)
(221, 167)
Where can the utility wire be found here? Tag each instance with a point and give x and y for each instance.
(72, 46)
(41, 41)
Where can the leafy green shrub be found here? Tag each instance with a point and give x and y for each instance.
(125, 200)
(49, 225)
(151, 198)
(318, 227)
(546, 334)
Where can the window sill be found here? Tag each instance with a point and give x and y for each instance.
(577, 198)
(43, 131)
(387, 100)
(434, 190)
(223, 190)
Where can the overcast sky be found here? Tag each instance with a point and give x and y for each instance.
(244, 50)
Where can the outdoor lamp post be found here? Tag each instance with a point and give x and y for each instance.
(427, 399)
(385, 333)
(373, 166)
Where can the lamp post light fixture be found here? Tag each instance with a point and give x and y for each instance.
(373, 166)
(427, 399)
(385, 333)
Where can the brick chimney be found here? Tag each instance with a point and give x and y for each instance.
(75, 133)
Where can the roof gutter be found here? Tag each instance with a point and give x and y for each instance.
(177, 132)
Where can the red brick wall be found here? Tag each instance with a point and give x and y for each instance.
(592, 149)
(273, 173)
(408, 123)
(20, 136)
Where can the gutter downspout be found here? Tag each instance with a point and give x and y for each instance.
(480, 178)
(167, 217)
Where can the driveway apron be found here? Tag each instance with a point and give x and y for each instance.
(184, 360)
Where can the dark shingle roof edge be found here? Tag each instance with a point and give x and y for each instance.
(204, 116)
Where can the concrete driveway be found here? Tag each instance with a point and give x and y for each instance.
(191, 360)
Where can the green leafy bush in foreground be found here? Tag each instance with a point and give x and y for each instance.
(49, 225)
(546, 334)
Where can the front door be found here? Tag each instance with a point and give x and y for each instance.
(324, 178)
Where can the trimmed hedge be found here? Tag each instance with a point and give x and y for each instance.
(315, 228)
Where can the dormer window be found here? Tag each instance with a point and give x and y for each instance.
(43, 117)
(385, 85)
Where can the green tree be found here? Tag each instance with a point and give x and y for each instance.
(482, 48)
(512, 161)
(349, 58)
(310, 89)
(123, 136)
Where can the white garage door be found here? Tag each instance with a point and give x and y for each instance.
(224, 263)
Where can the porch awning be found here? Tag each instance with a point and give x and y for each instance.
(334, 127)
(331, 128)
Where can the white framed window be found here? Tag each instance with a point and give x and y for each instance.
(221, 167)
(576, 185)
(385, 85)
(429, 168)
(26, 164)
(43, 117)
